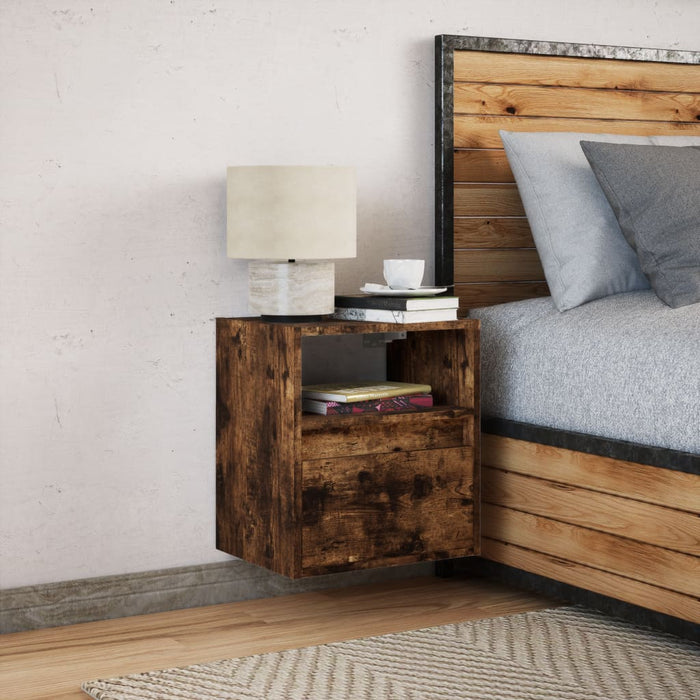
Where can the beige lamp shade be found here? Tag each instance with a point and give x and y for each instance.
(291, 212)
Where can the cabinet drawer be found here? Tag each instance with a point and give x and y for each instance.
(387, 509)
(347, 435)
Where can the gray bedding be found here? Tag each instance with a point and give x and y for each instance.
(625, 367)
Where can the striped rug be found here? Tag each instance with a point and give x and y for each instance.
(563, 653)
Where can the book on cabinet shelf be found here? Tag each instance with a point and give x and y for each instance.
(410, 402)
(351, 392)
(395, 303)
(395, 316)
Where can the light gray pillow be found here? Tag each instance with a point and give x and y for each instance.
(655, 194)
(579, 241)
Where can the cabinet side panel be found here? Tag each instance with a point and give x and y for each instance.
(228, 537)
(256, 443)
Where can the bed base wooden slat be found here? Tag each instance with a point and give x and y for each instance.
(627, 530)
(671, 487)
(625, 557)
(575, 584)
(666, 602)
(618, 516)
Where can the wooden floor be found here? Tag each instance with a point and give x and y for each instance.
(50, 664)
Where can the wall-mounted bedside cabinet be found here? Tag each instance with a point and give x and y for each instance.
(304, 494)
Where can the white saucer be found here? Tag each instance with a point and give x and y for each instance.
(384, 291)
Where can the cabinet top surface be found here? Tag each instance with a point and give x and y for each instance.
(336, 327)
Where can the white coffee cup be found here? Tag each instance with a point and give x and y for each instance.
(404, 274)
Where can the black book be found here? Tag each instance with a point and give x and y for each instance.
(395, 303)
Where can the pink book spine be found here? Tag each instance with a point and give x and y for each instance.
(412, 402)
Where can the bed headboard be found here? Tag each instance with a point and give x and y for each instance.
(483, 244)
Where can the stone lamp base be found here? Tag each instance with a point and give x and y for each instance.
(282, 288)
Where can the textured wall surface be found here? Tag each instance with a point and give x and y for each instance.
(117, 122)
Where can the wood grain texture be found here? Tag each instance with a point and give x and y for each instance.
(497, 265)
(526, 69)
(636, 520)
(641, 482)
(474, 295)
(258, 370)
(450, 362)
(481, 131)
(492, 232)
(50, 664)
(387, 509)
(635, 560)
(487, 200)
(333, 327)
(477, 165)
(341, 436)
(263, 439)
(574, 102)
(685, 607)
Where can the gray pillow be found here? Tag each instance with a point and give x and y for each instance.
(655, 194)
(579, 241)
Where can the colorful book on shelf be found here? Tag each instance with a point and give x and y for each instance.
(410, 402)
(395, 316)
(361, 391)
(370, 301)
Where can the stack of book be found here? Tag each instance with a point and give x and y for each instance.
(395, 309)
(365, 397)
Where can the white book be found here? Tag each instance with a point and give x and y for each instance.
(391, 316)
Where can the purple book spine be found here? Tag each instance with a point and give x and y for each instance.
(411, 402)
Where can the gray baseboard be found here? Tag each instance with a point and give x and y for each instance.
(108, 597)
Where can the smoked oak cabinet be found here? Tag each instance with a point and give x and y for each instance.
(303, 494)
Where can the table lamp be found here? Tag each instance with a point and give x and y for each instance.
(290, 221)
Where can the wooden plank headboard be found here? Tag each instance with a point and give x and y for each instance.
(483, 244)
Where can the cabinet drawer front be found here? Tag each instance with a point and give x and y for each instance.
(326, 437)
(387, 509)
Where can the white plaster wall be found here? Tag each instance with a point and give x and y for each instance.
(117, 121)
